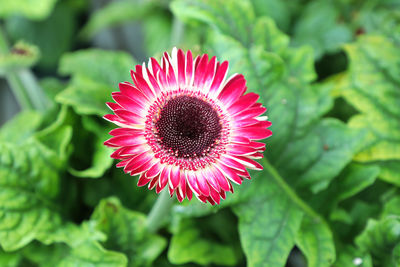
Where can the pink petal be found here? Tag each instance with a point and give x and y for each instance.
(125, 140)
(154, 170)
(251, 113)
(189, 192)
(125, 131)
(143, 168)
(232, 90)
(143, 180)
(137, 161)
(129, 104)
(248, 163)
(141, 83)
(200, 71)
(129, 116)
(210, 178)
(229, 173)
(240, 140)
(233, 164)
(163, 178)
(202, 183)
(219, 77)
(174, 177)
(130, 91)
(113, 106)
(240, 150)
(153, 182)
(192, 182)
(255, 132)
(181, 68)
(243, 103)
(222, 181)
(189, 67)
(215, 195)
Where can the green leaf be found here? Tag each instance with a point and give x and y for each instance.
(327, 149)
(329, 35)
(232, 17)
(349, 256)
(268, 223)
(392, 207)
(111, 67)
(316, 242)
(372, 88)
(354, 179)
(29, 183)
(37, 9)
(9, 259)
(101, 160)
(21, 127)
(277, 10)
(127, 232)
(380, 239)
(86, 96)
(72, 245)
(46, 34)
(92, 84)
(190, 244)
(93, 254)
(116, 13)
(22, 55)
(351, 181)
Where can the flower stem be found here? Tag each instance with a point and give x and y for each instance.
(290, 193)
(24, 84)
(160, 211)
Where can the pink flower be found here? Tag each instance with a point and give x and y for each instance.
(185, 126)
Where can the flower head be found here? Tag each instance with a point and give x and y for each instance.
(185, 126)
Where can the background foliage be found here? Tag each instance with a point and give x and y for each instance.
(328, 71)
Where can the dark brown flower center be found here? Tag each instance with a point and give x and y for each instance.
(188, 126)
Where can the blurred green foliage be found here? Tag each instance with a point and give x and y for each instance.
(328, 71)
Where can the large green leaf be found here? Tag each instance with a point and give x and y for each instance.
(330, 33)
(190, 244)
(110, 67)
(29, 178)
(349, 256)
(9, 259)
(72, 245)
(101, 160)
(327, 149)
(382, 240)
(37, 9)
(268, 224)
(21, 127)
(316, 242)
(92, 84)
(232, 17)
(127, 232)
(371, 86)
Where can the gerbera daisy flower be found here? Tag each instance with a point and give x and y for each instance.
(185, 126)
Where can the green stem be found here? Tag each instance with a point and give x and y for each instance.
(24, 84)
(290, 193)
(160, 211)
